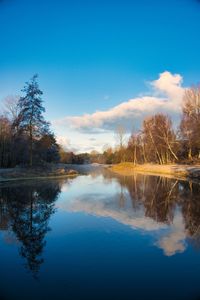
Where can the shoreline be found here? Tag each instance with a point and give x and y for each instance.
(173, 170)
(185, 172)
(40, 173)
(49, 172)
(4, 180)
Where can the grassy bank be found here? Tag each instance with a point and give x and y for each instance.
(54, 171)
(182, 171)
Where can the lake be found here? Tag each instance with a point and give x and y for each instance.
(100, 236)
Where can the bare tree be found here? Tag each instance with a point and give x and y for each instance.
(190, 123)
(10, 107)
(160, 139)
(120, 135)
(134, 147)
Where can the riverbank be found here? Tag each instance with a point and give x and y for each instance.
(180, 171)
(39, 172)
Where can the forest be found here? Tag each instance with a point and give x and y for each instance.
(26, 137)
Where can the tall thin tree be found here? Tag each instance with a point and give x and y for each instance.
(31, 113)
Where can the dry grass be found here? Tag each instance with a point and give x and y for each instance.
(182, 171)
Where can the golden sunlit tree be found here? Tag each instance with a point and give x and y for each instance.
(190, 123)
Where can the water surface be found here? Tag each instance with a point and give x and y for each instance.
(100, 236)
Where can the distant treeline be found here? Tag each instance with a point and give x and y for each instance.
(26, 137)
(72, 158)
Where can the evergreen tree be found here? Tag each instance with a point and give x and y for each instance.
(31, 119)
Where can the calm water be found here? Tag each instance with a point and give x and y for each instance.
(98, 236)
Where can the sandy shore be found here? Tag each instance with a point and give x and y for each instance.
(181, 171)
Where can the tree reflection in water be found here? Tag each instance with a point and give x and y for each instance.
(25, 209)
(161, 196)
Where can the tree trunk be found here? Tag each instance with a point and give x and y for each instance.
(135, 153)
(144, 155)
(171, 151)
(158, 155)
(190, 154)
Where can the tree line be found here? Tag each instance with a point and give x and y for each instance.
(158, 141)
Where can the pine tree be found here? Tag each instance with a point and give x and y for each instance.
(31, 113)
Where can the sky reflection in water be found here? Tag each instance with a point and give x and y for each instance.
(100, 234)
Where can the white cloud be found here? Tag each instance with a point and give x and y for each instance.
(169, 85)
(80, 142)
(166, 97)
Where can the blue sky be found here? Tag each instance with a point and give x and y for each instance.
(95, 55)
